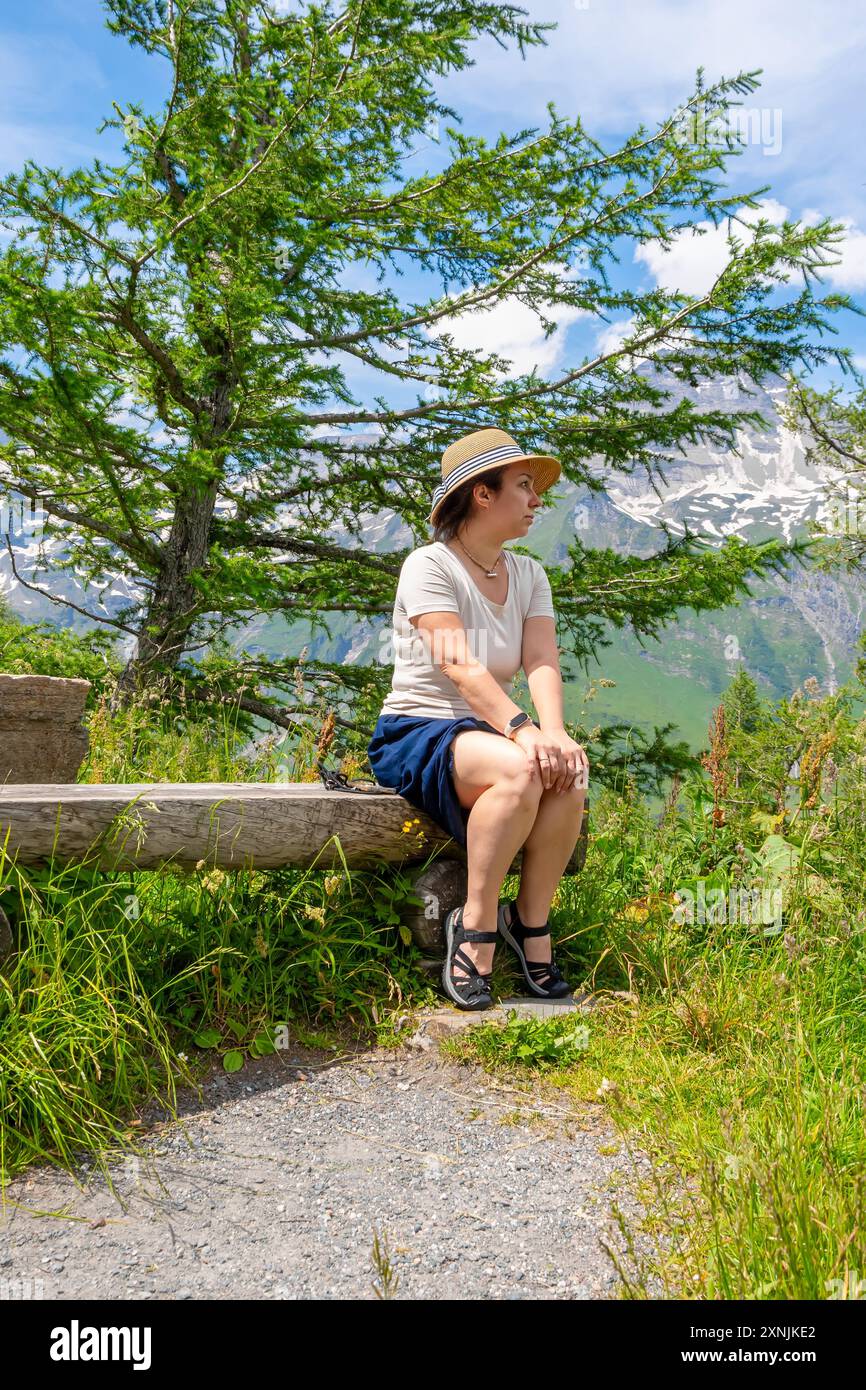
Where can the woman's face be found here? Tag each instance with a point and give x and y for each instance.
(517, 500)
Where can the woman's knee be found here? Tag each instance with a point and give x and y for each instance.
(522, 780)
(569, 804)
(482, 760)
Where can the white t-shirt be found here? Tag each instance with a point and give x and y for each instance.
(433, 580)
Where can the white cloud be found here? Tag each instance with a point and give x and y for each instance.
(768, 209)
(613, 335)
(698, 255)
(513, 330)
(693, 261)
(850, 274)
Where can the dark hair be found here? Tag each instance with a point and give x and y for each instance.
(458, 505)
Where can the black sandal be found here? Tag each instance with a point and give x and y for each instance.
(470, 991)
(543, 977)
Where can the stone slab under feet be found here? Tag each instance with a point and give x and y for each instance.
(447, 1020)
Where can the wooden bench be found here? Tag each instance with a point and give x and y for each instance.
(230, 825)
(242, 825)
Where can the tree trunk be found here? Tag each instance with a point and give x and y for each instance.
(173, 605)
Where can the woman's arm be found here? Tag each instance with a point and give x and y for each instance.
(446, 643)
(540, 661)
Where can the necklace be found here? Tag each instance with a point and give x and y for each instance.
(491, 573)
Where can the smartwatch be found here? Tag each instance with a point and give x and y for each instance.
(516, 723)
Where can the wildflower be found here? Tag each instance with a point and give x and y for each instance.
(317, 913)
(607, 1088)
(332, 883)
(715, 763)
(182, 1057)
(326, 735)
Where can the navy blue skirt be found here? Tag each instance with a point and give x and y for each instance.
(413, 755)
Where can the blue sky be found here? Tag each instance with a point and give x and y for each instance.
(616, 63)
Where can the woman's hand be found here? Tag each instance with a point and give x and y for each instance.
(562, 761)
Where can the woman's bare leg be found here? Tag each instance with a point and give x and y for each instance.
(546, 851)
(501, 815)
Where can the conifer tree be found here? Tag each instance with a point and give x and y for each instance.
(178, 328)
(743, 705)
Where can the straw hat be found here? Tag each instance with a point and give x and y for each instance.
(484, 449)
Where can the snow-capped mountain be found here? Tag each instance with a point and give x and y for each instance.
(763, 487)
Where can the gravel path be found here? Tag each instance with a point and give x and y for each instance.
(275, 1184)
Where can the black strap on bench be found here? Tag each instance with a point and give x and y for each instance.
(338, 782)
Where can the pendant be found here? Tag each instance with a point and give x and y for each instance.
(492, 574)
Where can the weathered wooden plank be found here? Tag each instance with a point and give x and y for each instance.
(232, 825)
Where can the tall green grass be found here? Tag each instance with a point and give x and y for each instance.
(733, 1051)
(124, 985)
